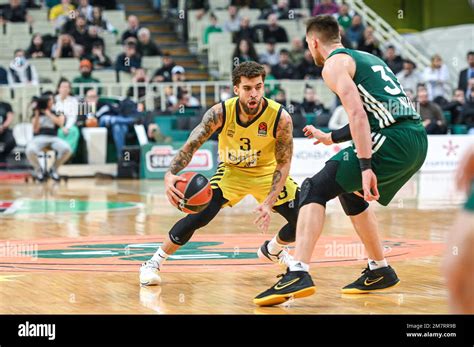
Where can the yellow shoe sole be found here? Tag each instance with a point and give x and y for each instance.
(359, 291)
(277, 299)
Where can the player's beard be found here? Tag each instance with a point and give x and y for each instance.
(318, 59)
(250, 111)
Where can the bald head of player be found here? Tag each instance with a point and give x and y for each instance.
(248, 79)
(322, 35)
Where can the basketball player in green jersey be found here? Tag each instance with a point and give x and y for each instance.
(389, 146)
(459, 260)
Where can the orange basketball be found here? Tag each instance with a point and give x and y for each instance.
(197, 192)
(91, 122)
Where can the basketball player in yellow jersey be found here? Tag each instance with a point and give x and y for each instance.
(255, 149)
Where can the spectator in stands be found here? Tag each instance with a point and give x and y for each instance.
(99, 21)
(436, 79)
(178, 74)
(293, 109)
(297, 51)
(146, 46)
(94, 107)
(37, 48)
(14, 12)
(281, 9)
(98, 58)
(66, 104)
(85, 9)
(245, 32)
(456, 106)
(409, 78)
(467, 114)
(344, 40)
(338, 119)
(6, 135)
(394, 61)
(284, 69)
(270, 56)
(211, 28)
(163, 74)
(343, 17)
(93, 38)
(3, 76)
(325, 7)
(355, 32)
(20, 71)
(129, 60)
(184, 98)
(273, 30)
(244, 51)
(312, 105)
(65, 48)
(85, 68)
(132, 29)
(307, 69)
(431, 113)
(270, 89)
(232, 24)
(79, 33)
(60, 13)
(139, 79)
(466, 74)
(369, 43)
(120, 119)
(46, 123)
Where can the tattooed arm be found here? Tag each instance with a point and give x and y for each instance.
(283, 154)
(211, 121)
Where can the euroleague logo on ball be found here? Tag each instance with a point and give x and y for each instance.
(262, 129)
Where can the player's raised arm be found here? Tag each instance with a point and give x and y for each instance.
(337, 75)
(283, 155)
(211, 121)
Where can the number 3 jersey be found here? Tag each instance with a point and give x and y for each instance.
(249, 147)
(381, 93)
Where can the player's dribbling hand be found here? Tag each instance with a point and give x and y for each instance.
(263, 219)
(321, 137)
(369, 185)
(173, 194)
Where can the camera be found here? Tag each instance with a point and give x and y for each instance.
(41, 102)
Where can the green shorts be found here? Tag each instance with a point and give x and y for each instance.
(398, 152)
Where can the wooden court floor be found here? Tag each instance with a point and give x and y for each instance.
(77, 248)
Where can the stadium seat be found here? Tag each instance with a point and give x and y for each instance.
(64, 64)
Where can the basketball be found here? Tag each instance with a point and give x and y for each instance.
(91, 122)
(197, 192)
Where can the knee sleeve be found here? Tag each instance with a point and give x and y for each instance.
(322, 187)
(184, 229)
(289, 211)
(353, 204)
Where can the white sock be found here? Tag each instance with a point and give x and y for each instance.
(160, 256)
(274, 247)
(296, 265)
(377, 264)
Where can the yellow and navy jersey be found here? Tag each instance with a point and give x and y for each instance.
(251, 146)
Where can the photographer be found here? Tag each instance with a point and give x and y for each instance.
(45, 127)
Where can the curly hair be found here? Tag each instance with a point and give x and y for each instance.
(249, 69)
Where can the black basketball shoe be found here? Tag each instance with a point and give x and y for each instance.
(293, 284)
(373, 281)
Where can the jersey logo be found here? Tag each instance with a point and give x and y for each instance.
(262, 129)
(231, 131)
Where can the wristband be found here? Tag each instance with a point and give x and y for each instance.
(365, 164)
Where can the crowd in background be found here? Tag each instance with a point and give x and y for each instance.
(80, 36)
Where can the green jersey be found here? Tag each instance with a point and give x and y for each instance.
(381, 93)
